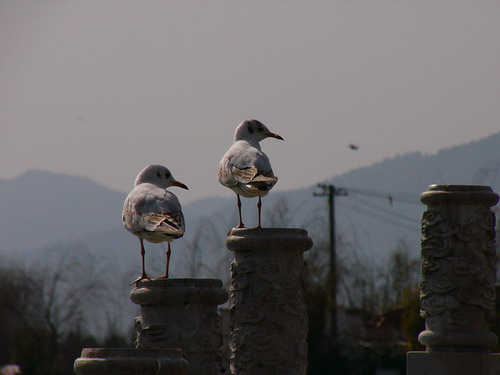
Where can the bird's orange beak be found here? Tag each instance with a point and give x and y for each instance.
(180, 184)
(274, 135)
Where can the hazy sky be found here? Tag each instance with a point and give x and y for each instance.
(101, 88)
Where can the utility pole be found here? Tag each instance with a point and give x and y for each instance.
(330, 191)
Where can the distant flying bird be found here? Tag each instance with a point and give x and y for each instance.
(353, 147)
(244, 168)
(153, 213)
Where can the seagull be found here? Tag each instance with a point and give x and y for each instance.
(244, 168)
(153, 213)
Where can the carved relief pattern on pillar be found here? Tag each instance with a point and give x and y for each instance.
(267, 318)
(182, 314)
(202, 339)
(458, 267)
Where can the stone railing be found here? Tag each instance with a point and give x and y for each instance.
(179, 324)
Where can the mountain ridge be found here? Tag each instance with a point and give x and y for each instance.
(43, 212)
(41, 208)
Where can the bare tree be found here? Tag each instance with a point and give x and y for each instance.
(279, 216)
(403, 274)
(51, 302)
(68, 281)
(205, 252)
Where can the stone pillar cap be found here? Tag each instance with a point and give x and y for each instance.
(131, 353)
(188, 282)
(240, 239)
(119, 361)
(459, 194)
(170, 291)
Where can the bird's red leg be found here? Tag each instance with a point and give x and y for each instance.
(143, 253)
(259, 206)
(239, 212)
(168, 260)
(143, 275)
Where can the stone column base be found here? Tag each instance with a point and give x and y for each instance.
(119, 361)
(438, 363)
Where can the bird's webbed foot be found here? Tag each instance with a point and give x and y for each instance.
(140, 278)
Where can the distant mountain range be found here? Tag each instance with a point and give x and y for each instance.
(40, 209)
(380, 206)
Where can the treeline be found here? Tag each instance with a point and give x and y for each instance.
(378, 316)
(69, 299)
(49, 310)
(45, 311)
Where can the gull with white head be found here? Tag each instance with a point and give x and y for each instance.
(153, 213)
(244, 168)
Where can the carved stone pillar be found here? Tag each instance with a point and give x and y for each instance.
(458, 268)
(458, 282)
(119, 361)
(182, 313)
(268, 311)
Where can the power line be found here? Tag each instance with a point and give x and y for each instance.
(330, 191)
(389, 196)
(374, 215)
(387, 211)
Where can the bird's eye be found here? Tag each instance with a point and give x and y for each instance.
(260, 129)
(167, 175)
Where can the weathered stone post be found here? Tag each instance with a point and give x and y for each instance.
(182, 313)
(458, 282)
(268, 311)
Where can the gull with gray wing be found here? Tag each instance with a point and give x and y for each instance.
(153, 213)
(245, 168)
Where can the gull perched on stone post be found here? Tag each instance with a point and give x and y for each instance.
(244, 168)
(153, 213)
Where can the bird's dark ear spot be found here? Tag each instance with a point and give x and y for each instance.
(250, 128)
(158, 174)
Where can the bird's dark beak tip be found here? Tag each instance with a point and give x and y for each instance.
(274, 135)
(181, 185)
